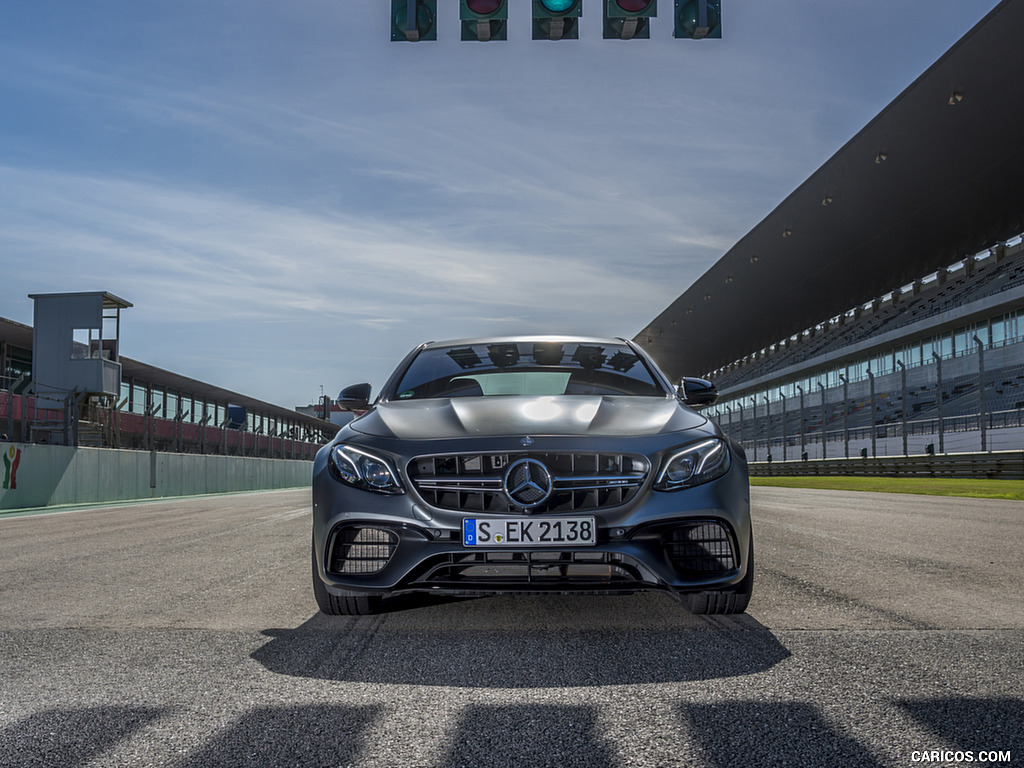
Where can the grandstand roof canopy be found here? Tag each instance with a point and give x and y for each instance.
(936, 176)
(110, 301)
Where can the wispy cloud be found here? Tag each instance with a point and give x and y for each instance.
(185, 235)
(284, 194)
(195, 258)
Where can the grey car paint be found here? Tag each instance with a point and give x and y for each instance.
(634, 536)
(583, 415)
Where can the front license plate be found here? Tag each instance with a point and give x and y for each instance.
(529, 532)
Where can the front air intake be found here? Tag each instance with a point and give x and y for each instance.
(580, 481)
(359, 550)
(700, 549)
(532, 571)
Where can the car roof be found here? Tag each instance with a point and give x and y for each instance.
(525, 339)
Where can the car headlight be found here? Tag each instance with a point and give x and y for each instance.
(360, 469)
(694, 465)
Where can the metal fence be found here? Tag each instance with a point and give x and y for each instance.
(972, 403)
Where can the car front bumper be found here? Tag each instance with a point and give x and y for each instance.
(685, 541)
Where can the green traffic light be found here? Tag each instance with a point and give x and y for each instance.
(413, 20)
(698, 19)
(556, 19)
(558, 6)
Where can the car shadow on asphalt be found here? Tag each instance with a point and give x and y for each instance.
(523, 642)
(71, 737)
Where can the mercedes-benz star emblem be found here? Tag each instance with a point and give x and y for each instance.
(527, 483)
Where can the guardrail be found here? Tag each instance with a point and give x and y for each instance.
(1006, 465)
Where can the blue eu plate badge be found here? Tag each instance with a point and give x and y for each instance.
(469, 533)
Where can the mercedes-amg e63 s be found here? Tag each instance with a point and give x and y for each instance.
(531, 465)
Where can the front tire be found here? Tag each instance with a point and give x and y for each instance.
(723, 602)
(348, 603)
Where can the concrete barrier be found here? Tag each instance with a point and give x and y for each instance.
(48, 475)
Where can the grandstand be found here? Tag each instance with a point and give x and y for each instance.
(153, 409)
(879, 309)
(911, 364)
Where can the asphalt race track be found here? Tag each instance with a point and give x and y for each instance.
(184, 633)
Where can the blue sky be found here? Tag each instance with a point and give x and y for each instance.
(291, 200)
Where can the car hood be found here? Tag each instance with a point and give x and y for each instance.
(506, 415)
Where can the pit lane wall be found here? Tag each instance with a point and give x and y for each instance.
(1006, 465)
(33, 476)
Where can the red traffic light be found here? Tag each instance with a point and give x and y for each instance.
(484, 20)
(628, 19)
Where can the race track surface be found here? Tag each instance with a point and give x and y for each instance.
(184, 633)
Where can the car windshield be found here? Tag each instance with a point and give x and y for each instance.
(528, 368)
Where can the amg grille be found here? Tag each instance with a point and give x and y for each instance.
(517, 571)
(700, 549)
(362, 550)
(474, 482)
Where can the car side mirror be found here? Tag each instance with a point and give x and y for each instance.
(693, 391)
(355, 398)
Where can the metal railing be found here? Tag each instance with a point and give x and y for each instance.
(866, 440)
(76, 420)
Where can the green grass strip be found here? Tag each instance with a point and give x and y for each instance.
(931, 486)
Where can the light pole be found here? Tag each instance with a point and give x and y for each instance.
(903, 402)
(803, 425)
(824, 451)
(938, 393)
(783, 396)
(846, 415)
(739, 404)
(983, 415)
(753, 421)
(871, 383)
